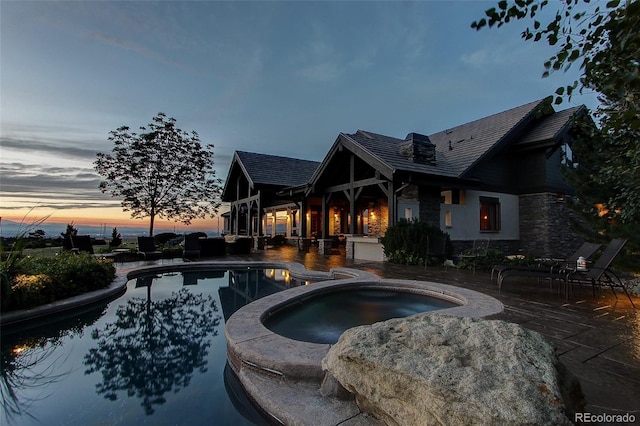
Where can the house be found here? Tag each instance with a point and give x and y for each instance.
(496, 178)
(251, 189)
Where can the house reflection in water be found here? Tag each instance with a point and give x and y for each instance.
(248, 285)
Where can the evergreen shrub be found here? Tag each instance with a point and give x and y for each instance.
(407, 242)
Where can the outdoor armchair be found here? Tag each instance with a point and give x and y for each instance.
(479, 250)
(81, 243)
(147, 247)
(191, 246)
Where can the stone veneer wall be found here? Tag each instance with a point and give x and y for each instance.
(349, 249)
(378, 219)
(336, 221)
(545, 226)
(429, 199)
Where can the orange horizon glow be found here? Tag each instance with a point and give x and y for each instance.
(109, 216)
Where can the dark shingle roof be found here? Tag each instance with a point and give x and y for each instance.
(263, 169)
(550, 127)
(457, 149)
(387, 150)
(465, 145)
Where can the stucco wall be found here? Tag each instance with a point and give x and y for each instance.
(463, 220)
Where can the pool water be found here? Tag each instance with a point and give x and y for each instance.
(156, 355)
(322, 319)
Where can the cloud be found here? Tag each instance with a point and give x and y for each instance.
(25, 185)
(142, 51)
(51, 146)
(483, 57)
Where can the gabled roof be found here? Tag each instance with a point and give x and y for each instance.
(457, 149)
(551, 127)
(386, 149)
(466, 145)
(263, 169)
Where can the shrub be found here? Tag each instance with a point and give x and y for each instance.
(35, 281)
(408, 242)
(29, 290)
(482, 263)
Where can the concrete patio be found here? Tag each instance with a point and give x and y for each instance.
(598, 339)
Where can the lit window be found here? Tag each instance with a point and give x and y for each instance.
(447, 219)
(489, 214)
(408, 214)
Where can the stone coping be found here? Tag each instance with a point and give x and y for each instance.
(251, 344)
(296, 270)
(119, 285)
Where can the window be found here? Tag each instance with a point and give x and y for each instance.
(489, 214)
(453, 196)
(408, 214)
(447, 219)
(567, 155)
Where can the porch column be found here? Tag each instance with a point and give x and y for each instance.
(236, 221)
(259, 202)
(235, 227)
(352, 195)
(303, 219)
(391, 204)
(325, 215)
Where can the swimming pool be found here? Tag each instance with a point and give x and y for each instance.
(155, 355)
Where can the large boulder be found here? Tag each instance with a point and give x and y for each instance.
(436, 369)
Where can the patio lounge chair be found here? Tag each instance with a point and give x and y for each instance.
(480, 249)
(81, 243)
(436, 247)
(147, 247)
(597, 275)
(600, 273)
(191, 246)
(586, 250)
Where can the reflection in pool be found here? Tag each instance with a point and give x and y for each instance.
(157, 355)
(322, 319)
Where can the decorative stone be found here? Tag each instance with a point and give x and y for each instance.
(435, 369)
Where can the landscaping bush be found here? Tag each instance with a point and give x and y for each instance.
(40, 280)
(407, 242)
(483, 263)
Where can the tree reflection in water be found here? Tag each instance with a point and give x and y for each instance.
(20, 373)
(154, 347)
(29, 364)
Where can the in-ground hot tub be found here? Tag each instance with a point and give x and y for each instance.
(276, 370)
(323, 318)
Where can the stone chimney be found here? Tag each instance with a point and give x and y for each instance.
(418, 149)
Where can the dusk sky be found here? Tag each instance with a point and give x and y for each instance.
(282, 78)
